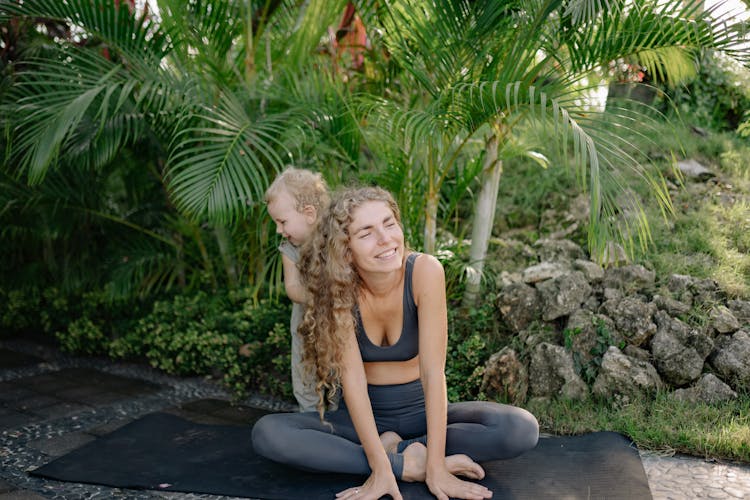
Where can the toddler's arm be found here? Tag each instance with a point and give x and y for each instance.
(295, 290)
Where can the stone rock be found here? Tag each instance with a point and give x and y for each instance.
(621, 374)
(679, 351)
(538, 333)
(591, 333)
(508, 254)
(709, 389)
(633, 319)
(722, 320)
(671, 306)
(591, 270)
(613, 294)
(637, 353)
(544, 271)
(506, 279)
(505, 377)
(689, 289)
(704, 290)
(550, 250)
(614, 255)
(731, 359)
(741, 310)
(679, 283)
(551, 373)
(519, 305)
(629, 278)
(592, 303)
(579, 208)
(704, 285)
(563, 295)
(694, 170)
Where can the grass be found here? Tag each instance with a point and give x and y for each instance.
(708, 237)
(657, 423)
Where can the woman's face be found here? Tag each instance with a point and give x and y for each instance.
(376, 239)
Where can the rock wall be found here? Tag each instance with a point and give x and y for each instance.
(587, 330)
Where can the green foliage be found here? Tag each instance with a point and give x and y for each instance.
(717, 97)
(268, 363)
(471, 340)
(83, 336)
(588, 370)
(657, 422)
(226, 335)
(19, 310)
(708, 237)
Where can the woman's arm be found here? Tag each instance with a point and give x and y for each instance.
(354, 383)
(428, 284)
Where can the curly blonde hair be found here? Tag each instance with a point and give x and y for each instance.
(333, 286)
(305, 186)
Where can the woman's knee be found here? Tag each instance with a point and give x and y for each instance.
(527, 430)
(265, 436)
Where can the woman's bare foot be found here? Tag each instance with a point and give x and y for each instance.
(415, 464)
(390, 441)
(463, 465)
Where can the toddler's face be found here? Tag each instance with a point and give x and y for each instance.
(293, 225)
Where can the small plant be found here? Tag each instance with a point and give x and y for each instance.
(83, 336)
(588, 370)
(471, 339)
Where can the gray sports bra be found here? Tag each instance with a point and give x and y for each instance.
(407, 345)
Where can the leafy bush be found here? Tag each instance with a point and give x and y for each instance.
(20, 310)
(83, 336)
(471, 338)
(225, 335)
(718, 95)
(588, 370)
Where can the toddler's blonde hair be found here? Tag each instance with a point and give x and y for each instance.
(305, 186)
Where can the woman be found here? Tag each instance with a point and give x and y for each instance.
(376, 327)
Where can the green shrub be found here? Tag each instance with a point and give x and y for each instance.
(83, 336)
(588, 370)
(202, 334)
(20, 310)
(267, 366)
(472, 337)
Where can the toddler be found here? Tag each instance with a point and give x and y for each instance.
(295, 200)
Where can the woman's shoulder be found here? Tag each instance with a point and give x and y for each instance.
(427, 270)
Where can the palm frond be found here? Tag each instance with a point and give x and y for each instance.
(219, 161)
(134, 38)
(80, 106)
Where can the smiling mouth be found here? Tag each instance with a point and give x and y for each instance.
(386, 255)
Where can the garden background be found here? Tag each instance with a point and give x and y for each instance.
(139, 137)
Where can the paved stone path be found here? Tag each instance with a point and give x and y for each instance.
(51, 404)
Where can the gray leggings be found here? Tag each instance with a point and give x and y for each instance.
(482, 430)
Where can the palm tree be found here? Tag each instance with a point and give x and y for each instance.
(487, 69)
(222, 94)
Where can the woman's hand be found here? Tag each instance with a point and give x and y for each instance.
(375, 487)
(445, 486)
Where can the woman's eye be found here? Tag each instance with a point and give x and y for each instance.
(365, 235)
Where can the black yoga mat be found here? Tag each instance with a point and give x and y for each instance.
(165, 452)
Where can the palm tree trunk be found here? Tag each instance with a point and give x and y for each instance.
(430, 225)
(484, 218)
